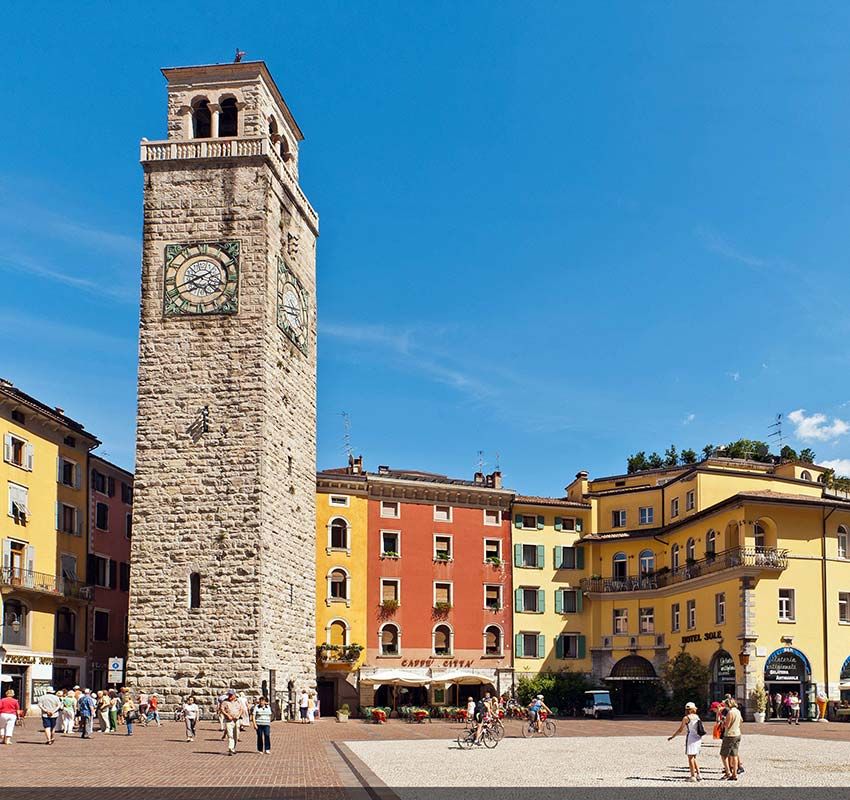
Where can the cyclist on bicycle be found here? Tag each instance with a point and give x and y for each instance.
(482, 713)
(535, 707)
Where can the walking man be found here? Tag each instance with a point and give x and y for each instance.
(731, 740)
(190, 717)
(49, 704)
(232, 712)
(86, 708)
(261, 719)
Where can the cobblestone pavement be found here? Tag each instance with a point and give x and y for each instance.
(304, 757)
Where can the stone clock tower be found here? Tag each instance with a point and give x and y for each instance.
(222, 590)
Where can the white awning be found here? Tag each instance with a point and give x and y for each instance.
(5, 678)
(463, 678)
(397, 677)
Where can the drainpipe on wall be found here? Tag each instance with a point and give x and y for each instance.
(825, 601)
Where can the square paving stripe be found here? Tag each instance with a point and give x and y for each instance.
(372, 785)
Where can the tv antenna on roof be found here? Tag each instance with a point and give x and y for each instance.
(346, 434)
(777, 431)
(480, 463)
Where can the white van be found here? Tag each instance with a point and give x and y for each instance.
(597, 703)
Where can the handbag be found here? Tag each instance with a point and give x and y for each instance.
(700, 728)
(718, 730)
(131, 716)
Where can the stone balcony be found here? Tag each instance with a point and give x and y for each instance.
(231, 148)
(751, 559)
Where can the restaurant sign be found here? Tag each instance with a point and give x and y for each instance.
(786, 664)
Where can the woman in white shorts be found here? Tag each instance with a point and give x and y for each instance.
(691, 724)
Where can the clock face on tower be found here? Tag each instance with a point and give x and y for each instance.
(201, 278)
(292, 306)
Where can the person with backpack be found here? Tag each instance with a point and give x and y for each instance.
(695, 730)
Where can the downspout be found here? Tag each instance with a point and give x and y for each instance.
(824, 602)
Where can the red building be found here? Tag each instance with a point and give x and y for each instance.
(110, 528)
(439, 589)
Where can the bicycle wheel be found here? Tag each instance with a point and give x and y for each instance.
(548, 728)
(488, 739)
(465, 741)
(527, 729)
(498, 730)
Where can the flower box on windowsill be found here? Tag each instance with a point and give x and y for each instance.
(441, 609)
(494, 561)
(390, 554)
(389, 607)
(440, 559)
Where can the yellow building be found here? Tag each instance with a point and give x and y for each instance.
(551, 620)
(42, 528)
(341, 568)
(739, 563)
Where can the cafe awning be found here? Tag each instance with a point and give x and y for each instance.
(463, 678)
(396, 677)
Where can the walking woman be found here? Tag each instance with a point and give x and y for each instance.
(113, 711)
(9, 709)
(692, 725)
(261, 719)
(190, 717)
(69, 711)
(128, 711)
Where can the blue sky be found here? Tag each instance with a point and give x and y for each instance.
(555, 232)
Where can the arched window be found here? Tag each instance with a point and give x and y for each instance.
(711, 542)
(442, 636)
(690, 550)
(389, 640)
(674, 557)
(805, 475)
(842, 541)
(759, 535)
(647, 562)
(493, 640)
(228, 121)
(15, 622)
(274, 134)
(620, 564)
(338, 585)
(285, 152)
(339, 534)
(201, 119)
(337, 632)
(66, 629)
(195, 590)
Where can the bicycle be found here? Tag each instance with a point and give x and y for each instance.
(529, 727)
(466, 740)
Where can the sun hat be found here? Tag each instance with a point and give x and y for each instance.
(690, 705)
(540, 697)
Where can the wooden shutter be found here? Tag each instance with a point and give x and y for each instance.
(579, 600)
(541, 600)
(58, 516)
(517, 520)
(579, 557)
(517, 555)
(581, 649)
(113, 574)
(518, 651)
(578, 525)
(541, 522)
(541, 646)
(94, 474)
(559, 556)
(519, 605)
(28, 457)
(30, 556)
(125, 577)
(559, 646)
(7, 554)
(77, 472)
(541, 556)
(91, 569)
(7, 447)
(559, 601)
(559, 524)
(110, 486)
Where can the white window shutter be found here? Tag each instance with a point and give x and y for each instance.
(7, 447)
(7, 554)
(30, 565)
(29, 457)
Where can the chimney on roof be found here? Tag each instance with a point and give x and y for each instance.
(478, 478)
(355, 465)
(383, 469)
(582, 475)
(6, 383)
(59, 410)
(494, 479)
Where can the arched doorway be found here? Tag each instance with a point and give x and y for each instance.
(634, 685)
(788, 670)
(722, 675)
(844, 685)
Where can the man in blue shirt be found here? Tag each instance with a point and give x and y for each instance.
(86, 709)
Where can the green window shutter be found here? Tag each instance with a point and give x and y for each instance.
(58, 518)
(518, 521)
(559, 646)
(578, 525)
(579, 558)
(541, 522)
(559, 556)
(518, 646)
(559, 601)
(541, 600)
(518, 603)
(517, 555)
(579, 600)
(541, 556)
(559, 524)
(582, 647)
(541, 646)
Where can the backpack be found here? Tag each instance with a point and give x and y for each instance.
(480, 707)
(700, 728)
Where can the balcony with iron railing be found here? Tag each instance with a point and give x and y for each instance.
(757, 558)
(43, 583)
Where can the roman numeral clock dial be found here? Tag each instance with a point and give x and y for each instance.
(201, 278)
(292, 308)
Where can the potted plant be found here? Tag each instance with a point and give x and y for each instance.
(389, 554)
(343, 712)
(379, 715)
(442, 608)
(442, 556)
(389, 606)
(759, 698)
(495, 561)
(420, 714)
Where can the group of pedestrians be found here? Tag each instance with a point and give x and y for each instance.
(727, 728)
(787, 705)
(234, 715)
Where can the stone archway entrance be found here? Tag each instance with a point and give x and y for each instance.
(634, 686)
(788, 670)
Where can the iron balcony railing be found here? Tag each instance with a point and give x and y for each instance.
(43, 582)
(769, 558)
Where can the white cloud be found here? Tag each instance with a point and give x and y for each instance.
(840, 465)
(689, 418)
(817, 427)
(715, 243)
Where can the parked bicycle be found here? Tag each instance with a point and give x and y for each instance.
(529, 727)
